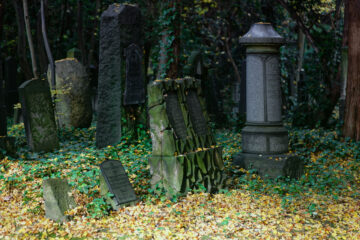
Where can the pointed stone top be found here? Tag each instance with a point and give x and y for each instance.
(262, 34)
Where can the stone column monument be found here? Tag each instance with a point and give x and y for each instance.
(264, 138)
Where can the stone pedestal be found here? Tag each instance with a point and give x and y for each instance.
(264, 138)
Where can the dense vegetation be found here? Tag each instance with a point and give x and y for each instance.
(324, 203)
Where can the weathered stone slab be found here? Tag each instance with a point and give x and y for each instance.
(135, 83)
(175, 115)
(73, 101)
(196, 114)
(38, 112)
(184, 153)
(120, 26)
(58, 199)
(117, 183)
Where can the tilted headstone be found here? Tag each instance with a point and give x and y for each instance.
(73, 100)
(134, 84)
(58, 199)
(114, 180)
(184, 152)
(38, 112)
(119, 28)
(264, 138)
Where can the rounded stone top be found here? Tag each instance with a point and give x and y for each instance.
(262, 34)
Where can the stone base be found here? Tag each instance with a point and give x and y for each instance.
(7, 144)
(271, 166)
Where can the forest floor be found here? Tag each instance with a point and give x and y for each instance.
(323, 204)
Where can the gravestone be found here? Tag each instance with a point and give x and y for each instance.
(264, 138)
(119, 28)
(184, 152)
(73, 99)
(38, 113)
(134, 84)
(114, 179)
(56, 193)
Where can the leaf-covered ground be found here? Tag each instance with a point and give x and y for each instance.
(323, 204)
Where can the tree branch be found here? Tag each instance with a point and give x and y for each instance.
(301, 24)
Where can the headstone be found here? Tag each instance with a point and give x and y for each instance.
(119, 28)
(196, 115)
(134, 84)
(73, 99)
(58, 199)
(184, 152)
(264, 138)
(38, 113)
(115, 180)
(175, 115)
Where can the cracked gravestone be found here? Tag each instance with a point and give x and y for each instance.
(58, 199)
(38, 112)
(184, 152)
(114, 180)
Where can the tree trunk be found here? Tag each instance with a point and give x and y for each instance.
(43, 60)
(80, 33)
(21, 44)
(28, 33)
(352, 106)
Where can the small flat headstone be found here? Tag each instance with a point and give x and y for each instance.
(196, 114)
(117, 182)
(134, 85)
(56, 193)
(175, 115)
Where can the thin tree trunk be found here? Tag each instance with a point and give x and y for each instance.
(21, 44)
(43, 60)
(28, 33)
(91, 57)
(352, 106)
(80, 33)
(47, 47)
(301, 46)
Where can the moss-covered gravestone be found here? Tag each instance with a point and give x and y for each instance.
(58, 199)
(38, 112)
(184, 152)
(73, 101)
